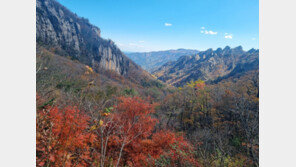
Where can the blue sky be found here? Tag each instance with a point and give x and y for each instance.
(152, 25)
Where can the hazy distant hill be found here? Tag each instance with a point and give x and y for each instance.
(153, 60)
(209, 65)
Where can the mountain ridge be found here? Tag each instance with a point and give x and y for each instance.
(154, 59)
(209, 65)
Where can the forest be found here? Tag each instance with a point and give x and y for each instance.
(85, 118)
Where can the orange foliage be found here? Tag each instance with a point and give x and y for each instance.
(200, 84)
(133, 115)
(65, 138)
(62, 137)
(133, 123)
(136, 126)
(167, 144)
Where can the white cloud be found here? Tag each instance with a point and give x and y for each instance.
(210, 32)
(202, 28)
(228, 36)
(167, 24)
(141, 41)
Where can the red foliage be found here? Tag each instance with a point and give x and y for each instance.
(133, 118)
(62, 137)
(133, 122)
(163, 144)
(142, 147)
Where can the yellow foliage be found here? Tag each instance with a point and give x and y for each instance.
(89, 69)
(196, 84)
(106, 114)
(101, 123)
(153, 76)
(93, 127)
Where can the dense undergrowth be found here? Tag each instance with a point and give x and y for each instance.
(97, 118)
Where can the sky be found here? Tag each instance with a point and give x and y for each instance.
(153, 25)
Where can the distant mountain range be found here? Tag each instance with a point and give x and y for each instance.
(210, 65)
(151, 61)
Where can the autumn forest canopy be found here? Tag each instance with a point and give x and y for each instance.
(97, 107)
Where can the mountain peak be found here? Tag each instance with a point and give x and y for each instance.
(252, 50)
(227, 48)
(219, 50)
(239, 48)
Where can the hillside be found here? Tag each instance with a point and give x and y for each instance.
(151, 61)
(66, 34)
(72, 58)
(210, 65)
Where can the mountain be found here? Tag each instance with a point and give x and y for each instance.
(153, 60)
(210, 65)
(66, 34)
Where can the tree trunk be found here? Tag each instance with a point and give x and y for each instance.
(120, 153)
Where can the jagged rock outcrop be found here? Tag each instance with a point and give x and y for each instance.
(209, 65)
(74, 36)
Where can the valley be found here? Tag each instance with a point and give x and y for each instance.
(99, 106)
(151, 61)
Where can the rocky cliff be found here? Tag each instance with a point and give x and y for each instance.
(210, 65)
(73, 36)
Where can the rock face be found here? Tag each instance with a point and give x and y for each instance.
(209, 65)
(151, 61)
(58, 27)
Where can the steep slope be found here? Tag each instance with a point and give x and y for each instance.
(151, 61)
(60, 77)
(66, 34)
(209, 65)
